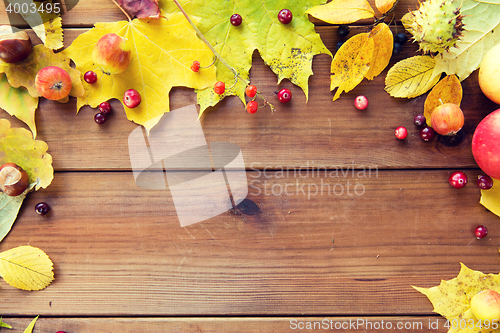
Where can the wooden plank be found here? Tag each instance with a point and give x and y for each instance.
(118, 250)
(230, 325)
(87, 12)
(319, 132)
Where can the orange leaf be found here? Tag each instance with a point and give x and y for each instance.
(382, 53)
(351, 63)
(448, 90)
(384, 6)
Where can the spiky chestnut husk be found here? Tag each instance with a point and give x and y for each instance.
(437, 25)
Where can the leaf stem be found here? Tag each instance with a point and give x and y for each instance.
(123, 10)
(202, 37)
(383, 17)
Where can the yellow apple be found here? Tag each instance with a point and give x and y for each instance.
(112, 54)
(489, 74)
(485, 305)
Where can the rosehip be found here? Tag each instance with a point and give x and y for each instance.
(236, 19)
(105, 107)
(427, 133)
(484, 182)
(285, 16)
(480, 231)
(100, 118)
(90, 77)
(195, 67)
(131, 98)
(401, 133)
(42, 208)
(419, 120)
(284, 95)
(361, 102)
(458, 179)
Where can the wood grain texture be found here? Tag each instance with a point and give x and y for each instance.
(228, 325)
(118, 250)
(319, 132)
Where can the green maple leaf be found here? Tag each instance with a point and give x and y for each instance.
(288, 49)
(482, 32)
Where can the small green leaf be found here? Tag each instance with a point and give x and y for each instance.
(9, 208)
(30, 327)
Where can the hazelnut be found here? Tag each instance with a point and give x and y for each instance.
(15, 45)
(13, 179)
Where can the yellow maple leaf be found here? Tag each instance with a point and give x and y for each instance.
(26, 267)
(162, 53)
(351, 63)
(451, 298)
(491, 198)
(384, 6)
(448, 90)
(382, 51)
(411, 77)
(342, 11)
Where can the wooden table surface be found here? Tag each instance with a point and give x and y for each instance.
(123, 263)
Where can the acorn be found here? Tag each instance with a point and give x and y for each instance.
(15, 45)
(13, 179)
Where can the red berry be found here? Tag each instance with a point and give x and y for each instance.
(252, 107)
(61, 332)
(284, 95)
(419, 120)
(100, 118)
(236, 19)
(484, 182)
(401, 133)
(427, 133)
(481, 231)
(219, 87)
(42, 208)
(361, 102)
(458, 179)
(90, 77)
(285, 16)
(251, 90)
(195, 67)
(131, 98)
(105, 107)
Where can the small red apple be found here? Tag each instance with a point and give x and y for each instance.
(112, 54)
(486, 144)
(53, 83)
(447, 119)
(131, 98)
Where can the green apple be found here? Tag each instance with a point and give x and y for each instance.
(112, 54)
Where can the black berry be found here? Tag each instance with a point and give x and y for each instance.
(343, 30)
(42, 208)
(339, 44)
(401, 38)
(397, 48)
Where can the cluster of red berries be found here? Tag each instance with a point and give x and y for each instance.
(131, 99)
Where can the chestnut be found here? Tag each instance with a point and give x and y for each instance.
(13, 179)
(15, 46)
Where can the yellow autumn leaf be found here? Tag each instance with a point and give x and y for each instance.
(31, 326)
(451, 298)
(384, 6)
(342, 11)
(351, 63)
(491, 198)
(382, 51)
(26, 267)
(162, 53)
(448, 90)
(411, 77)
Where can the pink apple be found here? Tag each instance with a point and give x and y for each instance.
(112, 54)
(486, 144)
